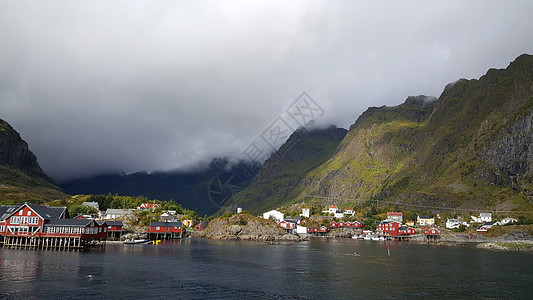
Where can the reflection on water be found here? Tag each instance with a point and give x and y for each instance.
(320, 268)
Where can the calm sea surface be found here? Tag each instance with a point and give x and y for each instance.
(321, 268)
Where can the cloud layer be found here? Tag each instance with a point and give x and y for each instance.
(100, 86)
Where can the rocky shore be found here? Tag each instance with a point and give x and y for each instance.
(246, 227)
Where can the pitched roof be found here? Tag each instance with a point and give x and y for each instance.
(423, 217)
(165, 224)
(7, 210)
(114, 223)
(394, 214)
(69, 222)
(48, 212)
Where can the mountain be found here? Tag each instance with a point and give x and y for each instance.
(472, 148)
(274, 185)
(203, 190)
(21, 177)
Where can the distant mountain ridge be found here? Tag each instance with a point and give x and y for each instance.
(280, 175)
(21, 177)
(471, 148)
(196, 189)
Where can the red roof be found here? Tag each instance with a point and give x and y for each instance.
(394, 214)
(333, 206)
(348, 208)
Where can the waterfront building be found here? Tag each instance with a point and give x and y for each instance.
(43, 227)
(165, 230)
(388, 228)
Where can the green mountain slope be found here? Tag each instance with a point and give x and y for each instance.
(275, 184)
(472, 148)
(21, 178)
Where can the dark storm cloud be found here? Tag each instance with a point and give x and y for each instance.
(97, 86)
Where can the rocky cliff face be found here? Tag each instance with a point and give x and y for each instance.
(509, 156)
(21, 177)
(14, 151)
(245, 227)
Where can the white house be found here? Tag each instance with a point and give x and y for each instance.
(301, 229)
(279, 216)
(339, 214)
(306, 212)
(331, 209)
(455, 223)
(483, 217)
(508, 220)
(112, 213)
(349, 211)
(92, 204)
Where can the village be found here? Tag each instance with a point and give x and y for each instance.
(393, 227)
(30, 226)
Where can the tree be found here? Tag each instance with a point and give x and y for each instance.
(77, 210)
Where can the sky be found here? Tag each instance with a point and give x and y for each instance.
(107, 86)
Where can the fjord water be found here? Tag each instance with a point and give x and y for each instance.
(320, 268)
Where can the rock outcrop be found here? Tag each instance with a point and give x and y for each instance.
(245, 227)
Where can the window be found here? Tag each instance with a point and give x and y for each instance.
(29, 212)
(20, 213)
(157, 228)
(15, 220)
(33, 221)
(24, 220)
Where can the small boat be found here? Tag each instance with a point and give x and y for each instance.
(128, 242)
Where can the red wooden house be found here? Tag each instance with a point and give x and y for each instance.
(29, 220)
(163, 227)
(287, 225)
(165, 230)
(149, 205)
(75, 228)
(43, 227)
(321, 229)
(405, 230)
(358, 224)
(432, 232)
(333, 224)
(483, 229)
(115, 229)
(341, 224)
(389, 228)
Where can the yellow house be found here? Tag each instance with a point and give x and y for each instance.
(425, 220)
(410, 223)
(187, 223)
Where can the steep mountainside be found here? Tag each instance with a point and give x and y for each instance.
(21, 178)
(472, 148)
(305, 150)
(203, 191)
